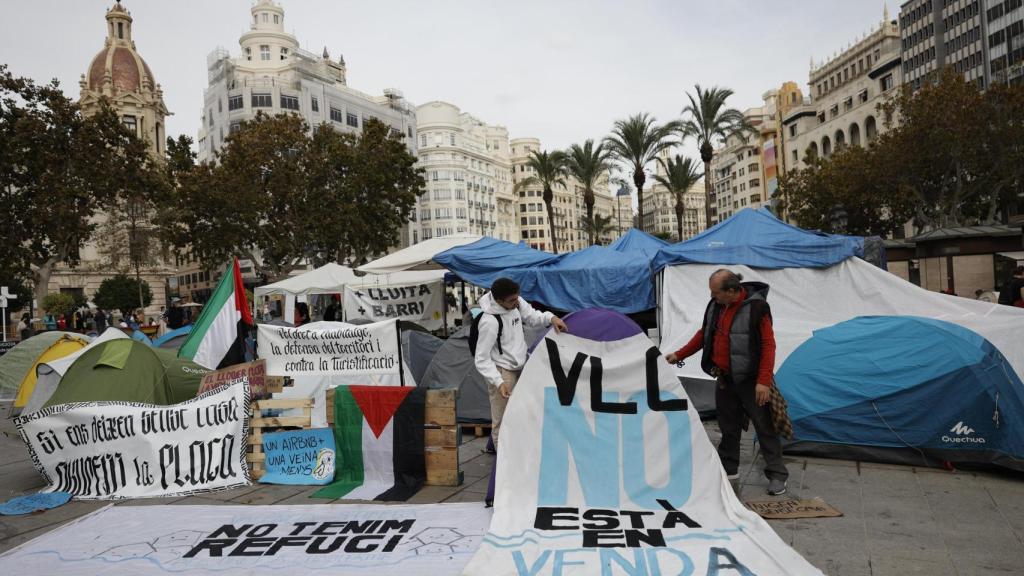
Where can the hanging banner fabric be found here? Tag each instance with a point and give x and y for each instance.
(255, 372)
(331, 348)
(419, 303)
(604, 468)
(420, 540)
(110, 450)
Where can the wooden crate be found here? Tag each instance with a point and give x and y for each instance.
(441, 437)
(260, 424)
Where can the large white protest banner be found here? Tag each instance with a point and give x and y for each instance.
(419, 303)
(109, 450)
(331, 348)
(421, 540)
(604, 468)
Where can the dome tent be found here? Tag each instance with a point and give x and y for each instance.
(18, 366)
(904, 389)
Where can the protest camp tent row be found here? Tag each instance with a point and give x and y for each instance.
(818, 281)
(49, 374)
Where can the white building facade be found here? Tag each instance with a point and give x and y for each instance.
(273, 74)
(468, 175)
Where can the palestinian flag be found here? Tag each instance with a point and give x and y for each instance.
(218, 337)
(378, 434)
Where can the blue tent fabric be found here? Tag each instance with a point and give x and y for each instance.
(906, 382)
(172, 334)
(758, 239)
(636, 242)
(595, 277)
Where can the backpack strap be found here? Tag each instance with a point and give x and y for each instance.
(501, 327)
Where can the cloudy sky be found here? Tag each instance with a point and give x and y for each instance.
(559, 70)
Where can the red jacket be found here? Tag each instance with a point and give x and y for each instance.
(721, 349)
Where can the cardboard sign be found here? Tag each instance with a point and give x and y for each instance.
(110, 450)
(420, 540)
(786, 509)
(419, 303)
(605, 468)
(331, 348)
(255, 372)
(299, 457)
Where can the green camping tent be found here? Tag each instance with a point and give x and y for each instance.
(18, 365)
(129, 371)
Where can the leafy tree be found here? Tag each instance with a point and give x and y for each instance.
(58, 170)
(280, 195)
(587, 164)
(711, 124)
(637, 141)
(598, 226)
(666, 236)
(851, 192)
(550, 170)
(121, 292)
(681, 174)
(58, 303)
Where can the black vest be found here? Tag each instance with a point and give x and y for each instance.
(744, 334)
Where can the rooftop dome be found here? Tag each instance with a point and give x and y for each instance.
(118, 60)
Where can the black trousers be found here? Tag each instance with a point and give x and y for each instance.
(732, 401)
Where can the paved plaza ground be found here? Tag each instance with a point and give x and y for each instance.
(897, 520)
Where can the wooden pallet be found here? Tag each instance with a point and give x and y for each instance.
(479, 430)
(260, 423)
(441, 437)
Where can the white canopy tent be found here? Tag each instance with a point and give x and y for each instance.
(418, 256)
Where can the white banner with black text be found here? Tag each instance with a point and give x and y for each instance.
(331, 348)
(419, 303)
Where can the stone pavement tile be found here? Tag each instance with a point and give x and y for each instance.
(1008, 495)
(992, 562)
(233, 493)
(471, 449)
(14, 541)
(150, 501)
(267, 494)
(14, 525)
(199, 501)
(478, 486)
(304, 497)
(466, 497)
(20, 481)
(478, 468)
(894, 565)
(433, 494)
(898, 516)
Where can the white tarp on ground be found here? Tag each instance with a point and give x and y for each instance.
(806, 299)
(418, 256)
(604, 471)
(422, 540)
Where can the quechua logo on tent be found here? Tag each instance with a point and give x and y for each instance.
(962, 434)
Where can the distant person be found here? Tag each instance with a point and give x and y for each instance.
(175, 315)
(739, 351)
(301, 315)
(1012, 293)
(267, 317)
(25, 329)
(331, 313)
(100, 319)
(499, 349)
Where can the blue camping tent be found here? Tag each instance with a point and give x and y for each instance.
(635, 241)
(595, 277)
(906, 389)
(173, 339)
(758, 239)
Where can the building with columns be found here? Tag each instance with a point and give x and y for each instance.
(273, 74)
(119, 75)
(660, 207)
(468, 173)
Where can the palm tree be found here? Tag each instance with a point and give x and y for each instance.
(711, 123)
(597, 226)
(681, 173)
(549, 170)
(587, 164)
(636, 142)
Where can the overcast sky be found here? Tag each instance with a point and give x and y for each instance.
(558, 70)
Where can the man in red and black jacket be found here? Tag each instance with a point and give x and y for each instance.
(739, 350)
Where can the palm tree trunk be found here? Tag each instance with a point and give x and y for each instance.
(707, 194)
(679, 218)
(549, 200)
(588, 199)
(638, 180)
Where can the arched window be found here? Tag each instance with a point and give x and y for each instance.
(854, 134)
(870, 130)
(826, 147)
(840, 139)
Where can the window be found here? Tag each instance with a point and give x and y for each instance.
(863, 97)
(210, 116)
(522, 221)
(235, 102)
(755, 183)
(264, 49)
(335, 114)
(261, 101)
(131, 124)
(234, 127)
(460, 212)
(848, 104)
(289, 102)
(423, 140)
(352, 120)
(314, 104)
(277, 19)
(248, 51)
(752, 168)
(886, 82)
(792, 130)
(451, 139)
(284, 51)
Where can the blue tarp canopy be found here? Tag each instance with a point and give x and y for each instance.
(758, 239)
(906, 382)
(595, 277)
(635, 241)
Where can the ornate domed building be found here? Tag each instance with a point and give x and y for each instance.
(119, 74)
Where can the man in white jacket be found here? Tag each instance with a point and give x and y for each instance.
(501, 362)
